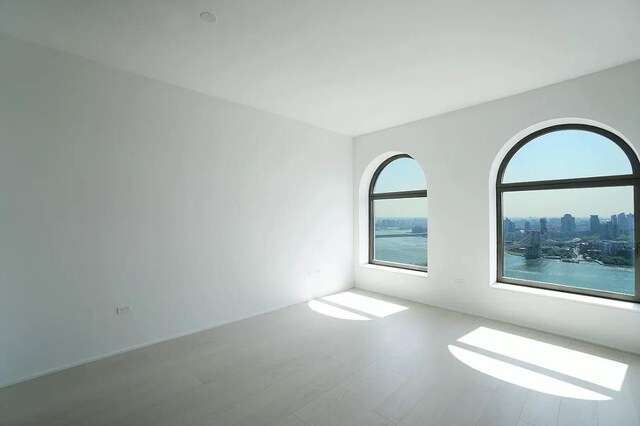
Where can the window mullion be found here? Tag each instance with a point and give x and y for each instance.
(398, 195)
(600, 182)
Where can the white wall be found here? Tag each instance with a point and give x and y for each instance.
(460, 152)
(117, 189)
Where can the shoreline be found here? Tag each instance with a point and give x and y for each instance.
(597, 262)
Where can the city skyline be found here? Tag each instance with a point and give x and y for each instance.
(603, 218)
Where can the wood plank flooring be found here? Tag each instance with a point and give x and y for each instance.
(299, 367)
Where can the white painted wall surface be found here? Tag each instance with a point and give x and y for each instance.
(460, 152)
(118, 189)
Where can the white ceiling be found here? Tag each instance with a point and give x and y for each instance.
(351, 66)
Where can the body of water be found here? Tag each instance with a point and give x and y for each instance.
(413, 251)
(584, 274)
(407, 250)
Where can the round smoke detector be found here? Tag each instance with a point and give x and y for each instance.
(209, 17)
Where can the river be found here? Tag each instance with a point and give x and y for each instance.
(584, 274)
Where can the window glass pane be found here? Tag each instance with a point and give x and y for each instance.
(400, 233)
(572, 237)
(567, 154)
(403, 174)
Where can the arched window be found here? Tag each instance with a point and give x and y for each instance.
(398, 214)
(567, 199)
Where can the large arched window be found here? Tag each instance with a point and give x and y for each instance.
(398, 215)
(567, 199)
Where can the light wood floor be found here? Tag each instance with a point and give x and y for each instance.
(297, 366)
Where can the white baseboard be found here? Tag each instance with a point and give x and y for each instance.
(149, 343)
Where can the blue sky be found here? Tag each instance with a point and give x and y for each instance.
(405, 207)
(403, 174)
(568, 154)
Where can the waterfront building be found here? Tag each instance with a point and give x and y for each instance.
(608, 231)
(615, 248)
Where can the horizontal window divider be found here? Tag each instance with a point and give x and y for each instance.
(399, 265)
(569, 289)
(402, 194)
(599, 182)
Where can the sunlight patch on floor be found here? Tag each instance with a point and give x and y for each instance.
(523, 377)
(354, 307)
(369, 305)
(583, 366)
(574, 368)
(335, 312)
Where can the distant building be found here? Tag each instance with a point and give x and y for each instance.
(594, 224)
(615, 248)
(508, 226)
(625, 224)
(567, 223)
(527, 226)
(622, 223)
(614, 219)
(608, 231)
(606, 247)
(543, 225)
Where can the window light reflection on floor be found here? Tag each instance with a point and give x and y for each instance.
(335, 312)
(576, 369)
(369, 305)
(583, 366)
(523, 377)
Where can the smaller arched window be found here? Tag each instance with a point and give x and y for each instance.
(567, 199)
(398, 224)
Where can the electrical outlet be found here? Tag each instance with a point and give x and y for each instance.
(121, 310)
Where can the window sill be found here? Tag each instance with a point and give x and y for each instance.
(422, 274)
(578, 298)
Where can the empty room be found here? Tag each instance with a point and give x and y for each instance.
(320, 212)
